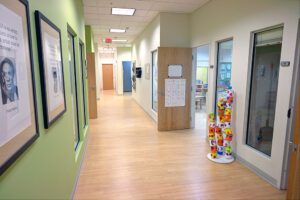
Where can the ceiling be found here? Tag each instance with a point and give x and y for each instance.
(97, 13)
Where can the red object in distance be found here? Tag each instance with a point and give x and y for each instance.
(107, 40)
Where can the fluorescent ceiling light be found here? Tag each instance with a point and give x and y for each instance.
(123, 11)
(119, 40)
(117, 30)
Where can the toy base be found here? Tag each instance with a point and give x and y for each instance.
(220, 159)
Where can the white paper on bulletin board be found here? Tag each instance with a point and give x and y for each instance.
(175, 70)
(175, 92)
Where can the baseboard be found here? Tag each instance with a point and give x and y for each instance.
(152, 117)
(80, 166)
(257, 171)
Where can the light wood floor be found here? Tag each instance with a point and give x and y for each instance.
(128, 159)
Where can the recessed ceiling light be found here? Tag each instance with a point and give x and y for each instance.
(119, 40)
(123, 11)
(117, 30)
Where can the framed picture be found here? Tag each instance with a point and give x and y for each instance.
(18, 117)
(51, 69)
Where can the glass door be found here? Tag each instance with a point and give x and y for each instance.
(72, 66)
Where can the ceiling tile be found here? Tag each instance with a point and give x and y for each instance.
(98, 14)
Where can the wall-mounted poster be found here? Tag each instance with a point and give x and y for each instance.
(175, 92)
(18, 120)
(51, 69)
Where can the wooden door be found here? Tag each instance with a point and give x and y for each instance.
(108, 77)
(92, 85)
(294, 172)
(174, 118)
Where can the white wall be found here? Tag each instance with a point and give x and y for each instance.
(166, 30)
(174, 30)
(218, 20)
(148, 41)
(123, 54)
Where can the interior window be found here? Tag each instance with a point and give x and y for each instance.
(73, 88)
(223, 67)
(263, 89)
(154, 80)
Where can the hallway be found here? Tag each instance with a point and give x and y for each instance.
(127, 158)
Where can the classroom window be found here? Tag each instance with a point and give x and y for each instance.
(154, 81)
(72, 65)
(83, 76)
(224, 65)
(263, 89)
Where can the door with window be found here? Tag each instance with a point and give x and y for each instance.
(72, 66)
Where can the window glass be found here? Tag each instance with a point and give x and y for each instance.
(73, 88)
(201, 82)
(223, 67)
(263, 89)
(154, 80)
(83, 71)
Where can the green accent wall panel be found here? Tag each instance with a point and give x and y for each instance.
(48, 169)
(89, 38)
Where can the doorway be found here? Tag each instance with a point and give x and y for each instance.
(108, 76)
(127, 84)
(201, 87)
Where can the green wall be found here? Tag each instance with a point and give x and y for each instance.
(49, 168)
(202, 73)
(89, 38)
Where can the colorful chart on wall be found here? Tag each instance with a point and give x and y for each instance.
(175, 92)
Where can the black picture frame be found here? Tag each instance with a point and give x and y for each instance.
(22, 146)
(49, 116)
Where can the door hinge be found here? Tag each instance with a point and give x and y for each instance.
(294, 146)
